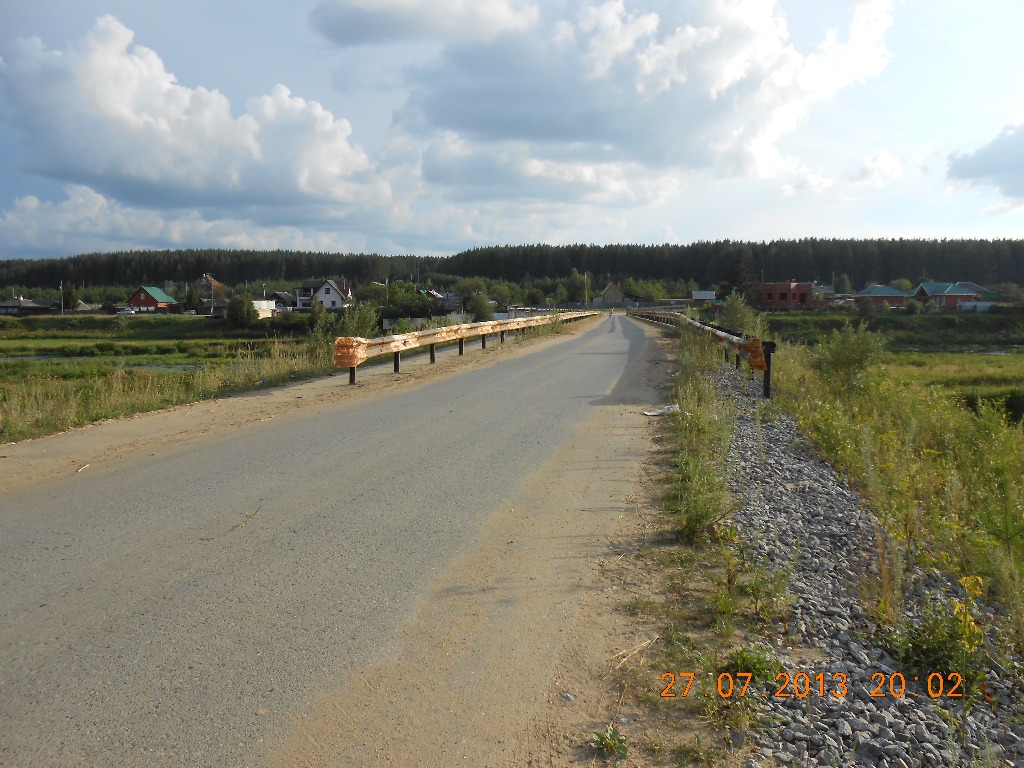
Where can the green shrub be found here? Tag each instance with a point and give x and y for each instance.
(845, 356)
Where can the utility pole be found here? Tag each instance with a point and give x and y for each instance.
(62, 297)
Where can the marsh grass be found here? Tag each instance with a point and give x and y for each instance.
(38, 403)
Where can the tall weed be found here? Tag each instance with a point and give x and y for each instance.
(946, 482)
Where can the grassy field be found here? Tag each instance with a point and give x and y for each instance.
(975, 358)
(970, 377)
(952, 331)
(57, 373)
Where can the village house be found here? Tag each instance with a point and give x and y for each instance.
(149, 298)
(945, 297)
(882, 295)
(326, 292)
(787, 295)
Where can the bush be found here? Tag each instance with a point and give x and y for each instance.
(241, 311)
(845, 356)
(479, 306)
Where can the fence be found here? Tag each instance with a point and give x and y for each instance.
(756, 351)
(350, 351)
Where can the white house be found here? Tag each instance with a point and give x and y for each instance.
(326, 292)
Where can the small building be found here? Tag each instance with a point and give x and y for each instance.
(21, 307)
(944, 297)
(149, 298)
(611, 296)
(881, 295)
(787, 295)
(208, 286)
(701, 298)
(326, 292)
(283, 301)
(264, 307)
(215, 307)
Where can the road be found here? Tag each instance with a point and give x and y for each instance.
(378, 581)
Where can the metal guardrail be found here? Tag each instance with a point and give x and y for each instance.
(350, 351)
(756, 351)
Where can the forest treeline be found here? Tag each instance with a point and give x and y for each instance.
(705, 263)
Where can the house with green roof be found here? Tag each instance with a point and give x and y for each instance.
(879, 294)
(149, 298)
(944, 297)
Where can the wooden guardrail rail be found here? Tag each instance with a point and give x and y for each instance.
(350, 351)
(757, 351)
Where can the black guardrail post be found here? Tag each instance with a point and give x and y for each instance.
(398, 362)
(767, 348)
(433, 353)
(462, 346)
(483, 341)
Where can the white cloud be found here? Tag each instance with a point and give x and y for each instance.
(879, 170)
(108, 114)
(86, 220)
(355, 22)
(701, 85)
(613, 33)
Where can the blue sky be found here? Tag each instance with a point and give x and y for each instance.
(430, 126)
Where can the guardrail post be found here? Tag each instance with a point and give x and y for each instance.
(351, 374)
(768, 347)
(726, 354)
(462, 346)
(737, 360)
(433, 353)
(398, 362)
(483, 341)
(501, 337)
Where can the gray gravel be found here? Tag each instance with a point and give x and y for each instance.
(797, 513)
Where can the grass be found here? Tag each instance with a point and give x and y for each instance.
(57, 373)
(944, 481)
(972, 378)
(43, 404)
(710, 605)
(934, 332)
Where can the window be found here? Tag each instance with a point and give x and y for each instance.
(782, 296)
(803, 298)
(334, 303)
(769, 296)
(327, 290)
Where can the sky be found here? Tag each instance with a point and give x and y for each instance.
(433, 126)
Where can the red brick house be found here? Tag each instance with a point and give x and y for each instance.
(787, 295)
(151, 299)
(944, 297)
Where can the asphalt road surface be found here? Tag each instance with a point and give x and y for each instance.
(310, 590)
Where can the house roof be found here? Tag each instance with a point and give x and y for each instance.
(882, 290)
(159, 295)
(283, 296)
(943, 289)
(23, 304)
(981, 291)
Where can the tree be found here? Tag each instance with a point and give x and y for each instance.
(535, 297)
(192, 300)
(241, 311)
(69, 295)
(843, 284)
(480, 307)
(901, 284)
(739, 277)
